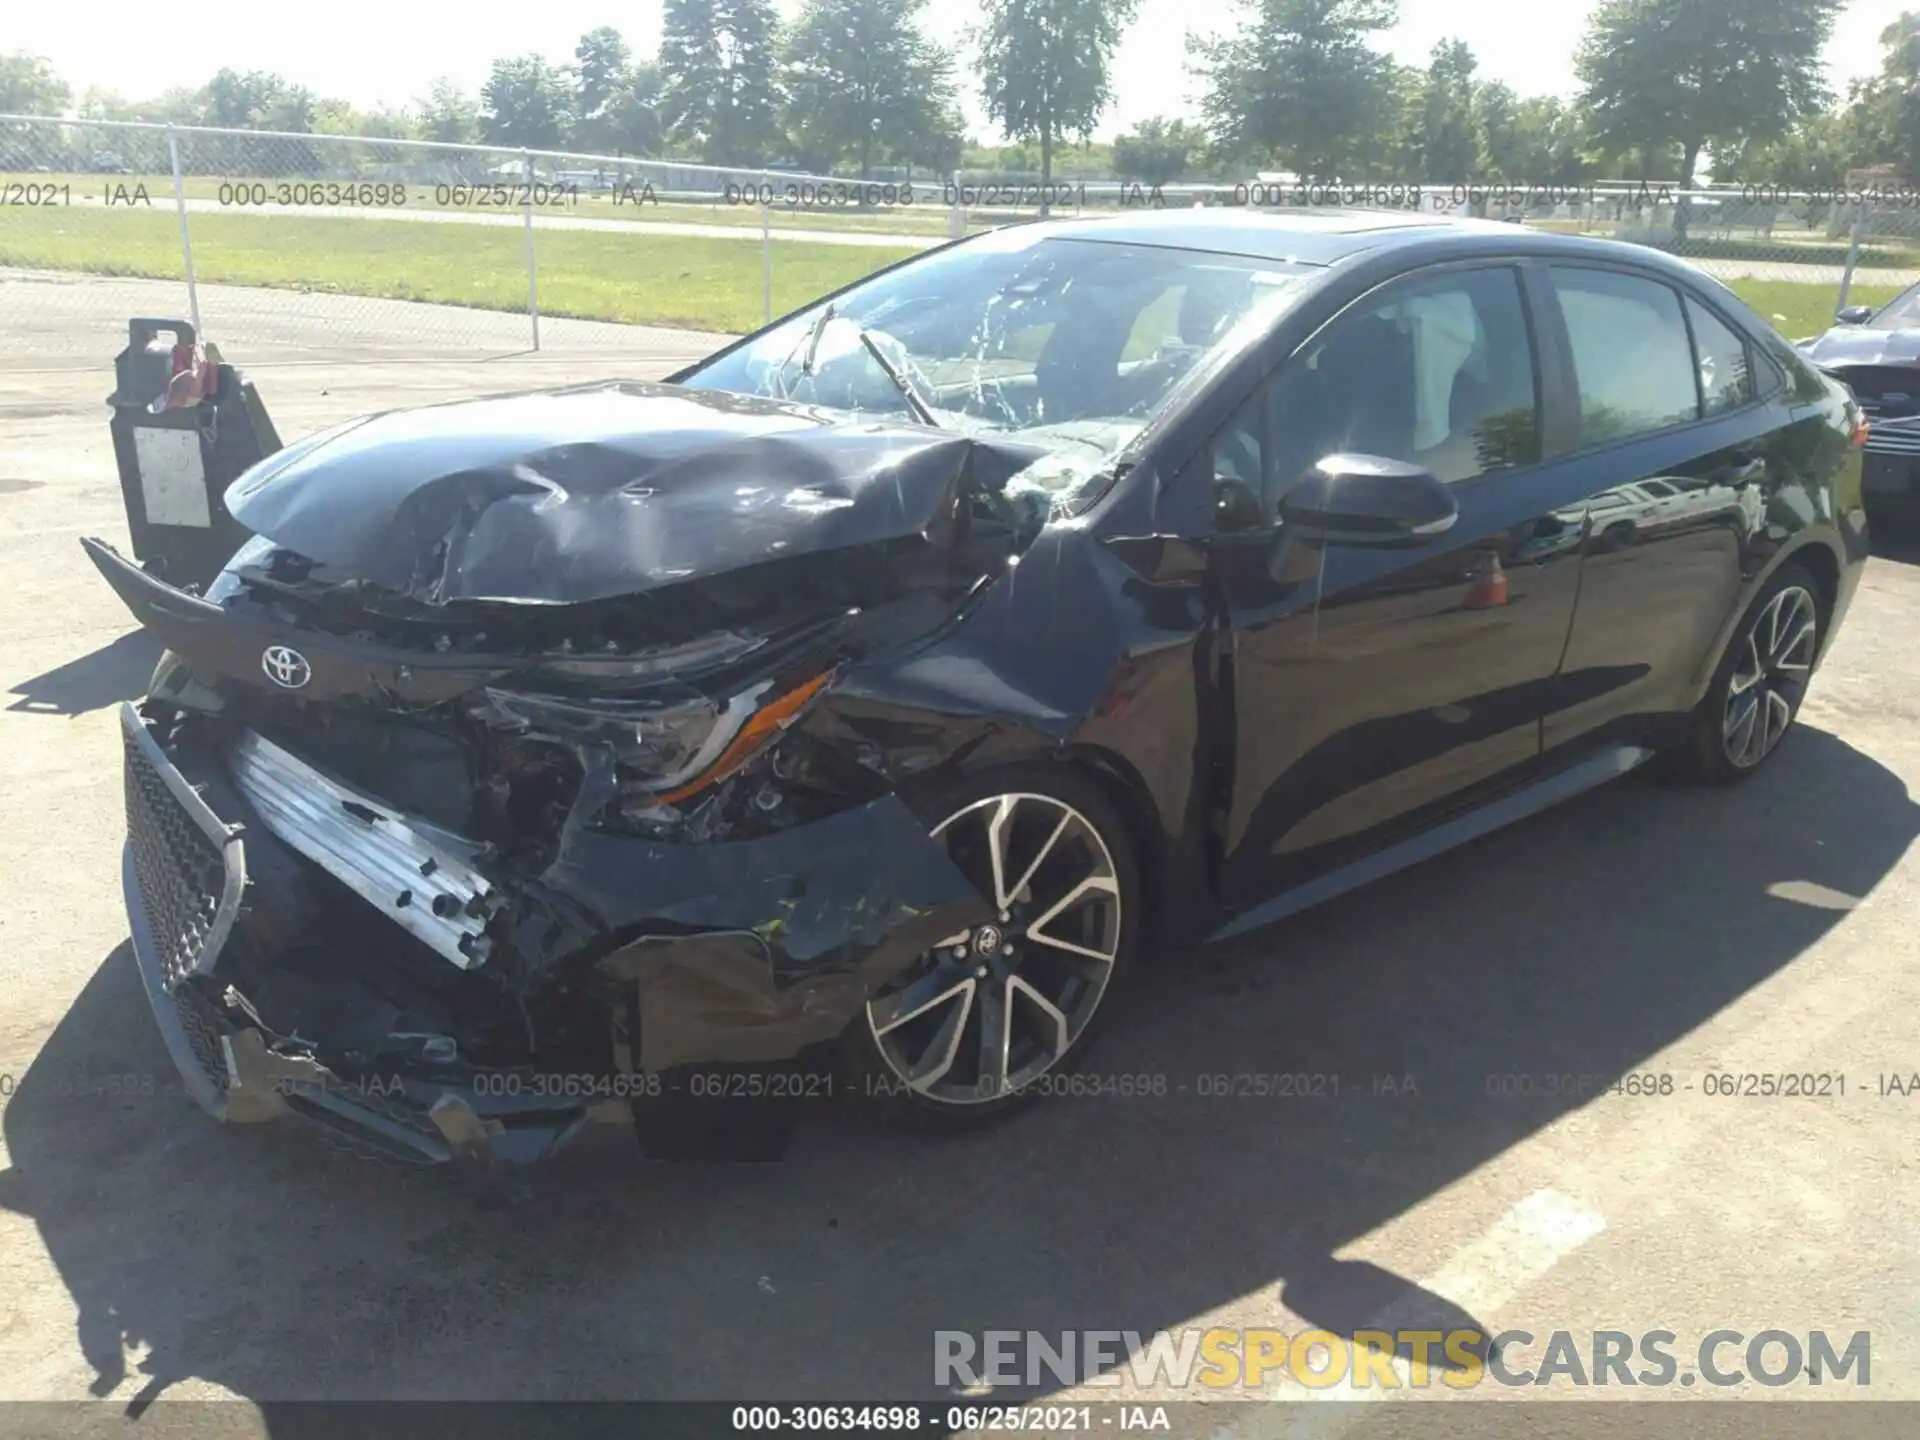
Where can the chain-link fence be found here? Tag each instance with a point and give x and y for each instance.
(323, 246)
(337, 247)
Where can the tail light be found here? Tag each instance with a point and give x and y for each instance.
(1860, 428)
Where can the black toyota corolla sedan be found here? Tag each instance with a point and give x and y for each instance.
(849, 715)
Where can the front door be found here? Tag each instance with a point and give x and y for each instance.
(1374, 690)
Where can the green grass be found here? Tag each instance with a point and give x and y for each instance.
(704, 284)
(1798, 310)
(1792, 249)
(927, 215)
(699, 283)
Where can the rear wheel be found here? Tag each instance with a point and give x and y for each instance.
(995, 1015)
(1761, 681)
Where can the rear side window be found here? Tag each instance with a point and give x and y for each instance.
(1720, 355)
(1768, 377)
(1632, 358)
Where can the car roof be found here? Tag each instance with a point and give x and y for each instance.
(1305, 236)
(1327, 236)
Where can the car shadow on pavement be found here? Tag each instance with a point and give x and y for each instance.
(116, 671)
(1896, 541)
(1583, 941)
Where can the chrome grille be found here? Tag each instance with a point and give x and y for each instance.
(1890, 397)
(1891, 435)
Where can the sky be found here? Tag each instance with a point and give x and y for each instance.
(388, 51)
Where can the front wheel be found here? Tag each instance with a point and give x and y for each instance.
(993, 1016)
(1761, 681)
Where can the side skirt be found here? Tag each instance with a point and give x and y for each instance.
(1541, 795)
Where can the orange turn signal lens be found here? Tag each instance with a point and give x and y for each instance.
(765, 723)
(1860, 429)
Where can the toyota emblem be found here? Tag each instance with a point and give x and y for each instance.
(286, 667)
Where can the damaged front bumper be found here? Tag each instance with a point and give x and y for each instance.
(185, 877)
(699, 959)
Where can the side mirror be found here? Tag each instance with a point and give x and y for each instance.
(1854, 315)
(1367, 500)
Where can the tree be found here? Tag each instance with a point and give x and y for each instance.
(864, 84)
(524, 103)
(1398, 149)
(1819, 152)
(1552, 141)
(600, 63)
(99, 102)
(257, 100)
(1900, 73)
(1449, 149)
(748, 124)
(1536, 140)
(449, 114)
(1498, 129)
(1299, 83)
(719, 95)
(690, 63)
(1044, 68)
(335, 117)
(1157, 151)
(1698, 74)
(29, 86)
(292, 108)
(633, 114)
(1883, 114)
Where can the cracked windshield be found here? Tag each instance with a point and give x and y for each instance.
(1070, 345)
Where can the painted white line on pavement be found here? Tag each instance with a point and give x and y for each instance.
(1517, 1249)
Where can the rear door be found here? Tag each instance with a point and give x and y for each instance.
(1677, 450)
(1373, 690)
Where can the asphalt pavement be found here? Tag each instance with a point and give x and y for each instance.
(1769, 929)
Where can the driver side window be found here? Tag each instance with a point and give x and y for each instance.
(1435, 371)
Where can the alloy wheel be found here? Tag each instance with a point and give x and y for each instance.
(1772, 664)
(994, 1008)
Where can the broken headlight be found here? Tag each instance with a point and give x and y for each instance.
(673, 749)
(226, 584)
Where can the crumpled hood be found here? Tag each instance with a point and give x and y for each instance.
(1858, 345)
(564, 496)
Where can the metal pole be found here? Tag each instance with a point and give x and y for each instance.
(1853, 256)
(766, 251)
(186, 240)
(533, 276)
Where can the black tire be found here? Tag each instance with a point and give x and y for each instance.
(1720, 752)
(965, 1095)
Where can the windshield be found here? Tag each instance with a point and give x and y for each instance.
(1901, 313)
(1072, 345)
